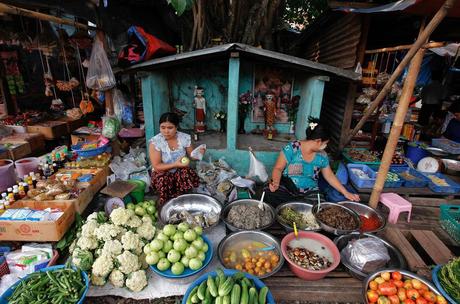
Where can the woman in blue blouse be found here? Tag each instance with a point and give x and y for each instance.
(296, 172)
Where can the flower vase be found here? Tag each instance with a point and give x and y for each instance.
(223, 124)
(241, 119)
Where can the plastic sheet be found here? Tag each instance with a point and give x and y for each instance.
(257, 168)
(367, 254)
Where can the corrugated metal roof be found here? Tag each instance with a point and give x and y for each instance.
(258, 53)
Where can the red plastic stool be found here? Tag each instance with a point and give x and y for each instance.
(396, 204)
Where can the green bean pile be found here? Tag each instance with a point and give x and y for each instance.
(59, 286)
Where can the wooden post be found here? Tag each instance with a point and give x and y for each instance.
(13, 10)
(401, 111)
(421, 40)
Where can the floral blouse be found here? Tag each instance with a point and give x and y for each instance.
(169, 156)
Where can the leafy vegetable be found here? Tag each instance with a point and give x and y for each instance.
(70, 235)
(449, 277)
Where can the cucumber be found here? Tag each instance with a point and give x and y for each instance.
(202, 290)
(212, 287)
(253, 295)
(238, 276)
(226, 287)
(195, 298)
(236, 293)
(219, 300)
(220, 275)
(192, 293)
(244, 293)
(263, 295)
(226, 299)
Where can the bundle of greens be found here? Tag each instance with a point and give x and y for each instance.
(449, 277)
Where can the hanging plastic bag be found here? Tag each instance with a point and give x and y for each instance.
(196, 153)
(256, 168)
(111, 126)
(100, 76)
(122, 108)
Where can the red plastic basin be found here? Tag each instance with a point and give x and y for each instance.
(305, 274)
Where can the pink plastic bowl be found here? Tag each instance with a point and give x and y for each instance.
(305, 274)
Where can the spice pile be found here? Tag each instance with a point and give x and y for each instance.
(249, 217)
(364, 156)
(337, 218)
(303, 220)
(307, 259)
(369, 223)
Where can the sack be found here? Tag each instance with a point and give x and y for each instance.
(256, 168)
(111, 127)
(142, 46)
(100, 76)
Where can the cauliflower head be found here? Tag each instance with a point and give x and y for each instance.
(136, 281)
(132, 241)
(112, 248)
(134, 222)
(117, 278)
(128, 262)
(146, 231)
(87, 243)
(82, 259)
(106, 232)
(98, 217)
(88, 228)
(97, 281)
(103, 265)
(121, 216)
(147, 219)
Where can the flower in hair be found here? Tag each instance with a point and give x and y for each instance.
(313, 125)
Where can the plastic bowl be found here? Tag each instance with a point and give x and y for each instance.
(228, 272)
(303, 273)
(187, 272)
(434, 277)
(9, 292)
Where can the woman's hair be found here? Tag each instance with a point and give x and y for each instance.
(170, 117)
(316, 131)
(455, 107)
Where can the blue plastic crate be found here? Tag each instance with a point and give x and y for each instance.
(359, 182)
(447, 145)
(452, 188)
(420, 181)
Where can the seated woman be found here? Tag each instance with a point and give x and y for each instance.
(171, 176)
(452, 130)
(295, 174)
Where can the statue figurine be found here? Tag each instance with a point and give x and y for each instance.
(270, 115)
(199, 102)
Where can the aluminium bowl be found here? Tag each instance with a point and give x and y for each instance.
(298, 206)
(247, 202)
(397, 260)
(255, 236)
(405, 274)
(368, 212)
(192, 203)
(331, 229)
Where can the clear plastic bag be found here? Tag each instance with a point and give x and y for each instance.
(257, 168)
(111, 126)
(122, 108)
(367, 254)
(100, 75)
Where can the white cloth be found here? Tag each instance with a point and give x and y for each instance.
(167, 155)
(160, 287)
(200, 103)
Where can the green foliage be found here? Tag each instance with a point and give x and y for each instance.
(303, 12)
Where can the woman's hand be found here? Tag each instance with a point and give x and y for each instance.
(352, 197)
(180, 164)
(273, 186)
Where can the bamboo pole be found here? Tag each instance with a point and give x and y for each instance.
(401, 111)
(421, 40)
(14, 10)
(428, 45)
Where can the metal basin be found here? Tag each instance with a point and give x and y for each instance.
(397, 260)
(331, 229)
(368, 212)
(405, 274)
(298, 206)
(255, 236)
(193, 204)
(247, 202)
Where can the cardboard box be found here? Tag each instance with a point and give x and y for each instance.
(43, 231)
(73, 124)
(50, 129)
(35, 140)
(18, 151)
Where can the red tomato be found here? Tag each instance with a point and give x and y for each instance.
(386, 276)
(429, 296)
(441, 300)
(412, 294)
(383, 300)
(388, 289)
(398, 284)
(408, 284)
(408, 301)
(379, 280)
(372, 296)
(421, 301)
(373, 285)
(417, 284)
(393, 299)
(402, 294)
(397, 276)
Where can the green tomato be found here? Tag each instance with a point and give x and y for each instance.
(163, 237)
(139, 211)
(156, 214)
(147, 249)
(163, 264)
(156, 245)
(146, 204)
(195, 264)
(191, 252)
(150, 209)
(179, 235)
(169, 230)
(177, 268)
(185, 260)
(198, 230)
(152, 258)
(174, 256)
(161, 254)
(190, 235)
(201, 256)
(198, 244)
(130, 206)
(205, 248)
(183, 226)
(180, 245)
(168, 245)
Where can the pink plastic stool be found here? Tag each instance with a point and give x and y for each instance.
(396, 204)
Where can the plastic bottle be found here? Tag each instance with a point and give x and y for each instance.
(22, 193)
(6, 203)
(4, 196)
(30, 183)
(10, 190)
(11, 199)
(2, 207)
(16, 194)
(26, 187)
